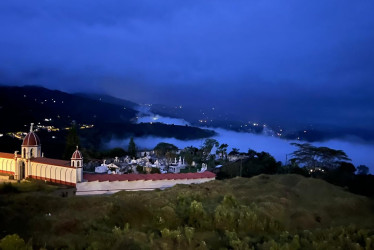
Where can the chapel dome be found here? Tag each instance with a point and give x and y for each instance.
(31, 138)
(76, 155)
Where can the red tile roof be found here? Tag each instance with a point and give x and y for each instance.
(31, 139)
(76, 155)
(7, 155)
(50, 161)
(150, 177)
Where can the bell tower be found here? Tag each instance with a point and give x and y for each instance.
(31, 146)
(77, 162)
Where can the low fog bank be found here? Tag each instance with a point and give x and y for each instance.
(146, 116)
(360, 153)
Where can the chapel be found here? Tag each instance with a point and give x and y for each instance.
(32, 164)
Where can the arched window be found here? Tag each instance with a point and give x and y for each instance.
(24, 153)
(31, 155)
(77, 163)
(73, 163)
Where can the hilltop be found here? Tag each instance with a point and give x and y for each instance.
(264, 211)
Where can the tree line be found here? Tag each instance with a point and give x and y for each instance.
(326, 163)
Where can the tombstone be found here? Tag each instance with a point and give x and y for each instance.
(203, 168)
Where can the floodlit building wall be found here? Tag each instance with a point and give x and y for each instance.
(56, 174)
(106, 187)
(7, 166)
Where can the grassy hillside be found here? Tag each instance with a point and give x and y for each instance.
(262, 212)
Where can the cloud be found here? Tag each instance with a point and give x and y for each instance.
(287, 61)
(360, 153)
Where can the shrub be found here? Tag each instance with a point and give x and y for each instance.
(175, 235)
(140, 169)
(197, 216)
(13, 242)
(189, 233)
(225, 218)
(155, 171)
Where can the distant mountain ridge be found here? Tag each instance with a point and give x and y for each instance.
(23, 105)
(109, 99)
(111, 117)
(215, 118)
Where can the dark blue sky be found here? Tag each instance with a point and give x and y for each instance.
(300, 61)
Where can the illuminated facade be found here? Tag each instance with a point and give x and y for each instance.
(31, 164)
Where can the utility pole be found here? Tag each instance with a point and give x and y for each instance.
(241, 166)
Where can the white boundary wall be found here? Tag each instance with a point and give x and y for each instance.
(106, 187)
(39, 171)
(7, 166)
(56, 174)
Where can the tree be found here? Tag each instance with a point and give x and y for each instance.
(188, 158)
(362, 170)
(222, 150)
(13, 241)
(234, 151)
(170, 156)
(305, 155)
(343, 175)
(208, 146)
(264, 163)
(189, 154)
(323, 157)
(163, 148)
(72, 141)
(260, 163)
(347, 167)
(132, 148)
(332, 158)
(115, 152)
(251, 153)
